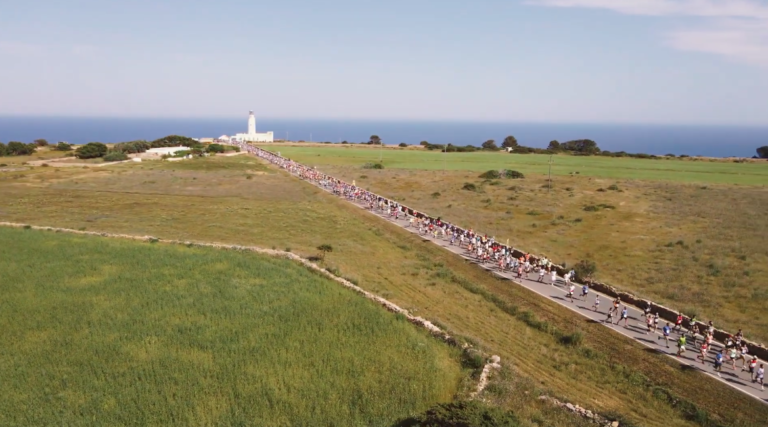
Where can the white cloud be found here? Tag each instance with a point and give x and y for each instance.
(747, 42)
(708, 8)
(737, 29)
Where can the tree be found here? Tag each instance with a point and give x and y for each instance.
(375, 140)
(583, 146)
(762, 152)
(16, 148)
(554, 145)
(325, 248)
(91, 150)
(63, 146)
(490, 145)
(41, 142)
(509, 142)
(424, 143)
(173, 141)
(3, 150)
(402, 144)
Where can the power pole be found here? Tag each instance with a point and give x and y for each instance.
(445, 151)
(550, 173)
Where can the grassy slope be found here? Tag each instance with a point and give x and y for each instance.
(213, 200)
(115, 333)
(715, 172)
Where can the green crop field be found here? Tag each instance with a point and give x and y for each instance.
(663, 169)
(109, 332)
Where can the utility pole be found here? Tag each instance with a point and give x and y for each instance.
(550, 173)
(445, 151)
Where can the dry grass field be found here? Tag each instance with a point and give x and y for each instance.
(699, 248)
(239, 200)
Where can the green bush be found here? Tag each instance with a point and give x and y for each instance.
(173, 141)
(215, 148)
(16, 148)
(402, 144)
(115, 156)
(63, 146)
(469, 187)
(463, 414)
(491, 174)
(132, 147)
(574, 340)
(3, 149)
(613, 187)
(585, 269)
(507, 173)
(373, 166)
(91, 150)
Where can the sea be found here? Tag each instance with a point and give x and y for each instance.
(700, 140)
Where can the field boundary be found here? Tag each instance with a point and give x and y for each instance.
(494, 362)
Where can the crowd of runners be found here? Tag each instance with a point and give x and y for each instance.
(487, 251)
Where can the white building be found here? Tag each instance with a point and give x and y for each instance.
(252, 136)
(165, 150)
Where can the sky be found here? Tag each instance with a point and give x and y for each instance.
(574, 61)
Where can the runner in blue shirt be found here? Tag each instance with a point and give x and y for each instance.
(666, 330)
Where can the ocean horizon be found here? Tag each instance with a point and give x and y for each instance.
(695, 140)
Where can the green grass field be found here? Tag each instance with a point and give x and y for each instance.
(698, 171)
(110, 332)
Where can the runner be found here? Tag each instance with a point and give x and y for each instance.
(703, 352)
(679, 322)
(733, 355)
(655, 322)
(718, 362)
(681, 346)
(649, 323)
(609, 319)
(759, 377)
(570, 291)
(743, 355)
(666, 330)
(584, 292)
(596, 305)
(541, 275)
(624, 316)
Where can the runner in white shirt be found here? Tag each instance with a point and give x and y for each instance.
(554, 277)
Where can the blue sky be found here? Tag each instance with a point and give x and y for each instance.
(597, 61)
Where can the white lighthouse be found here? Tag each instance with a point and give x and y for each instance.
(252, 136)
(251, 123)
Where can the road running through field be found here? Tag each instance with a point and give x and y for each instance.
(636, 328)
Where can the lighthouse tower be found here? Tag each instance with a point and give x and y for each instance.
(251, 123)
(252, 136)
